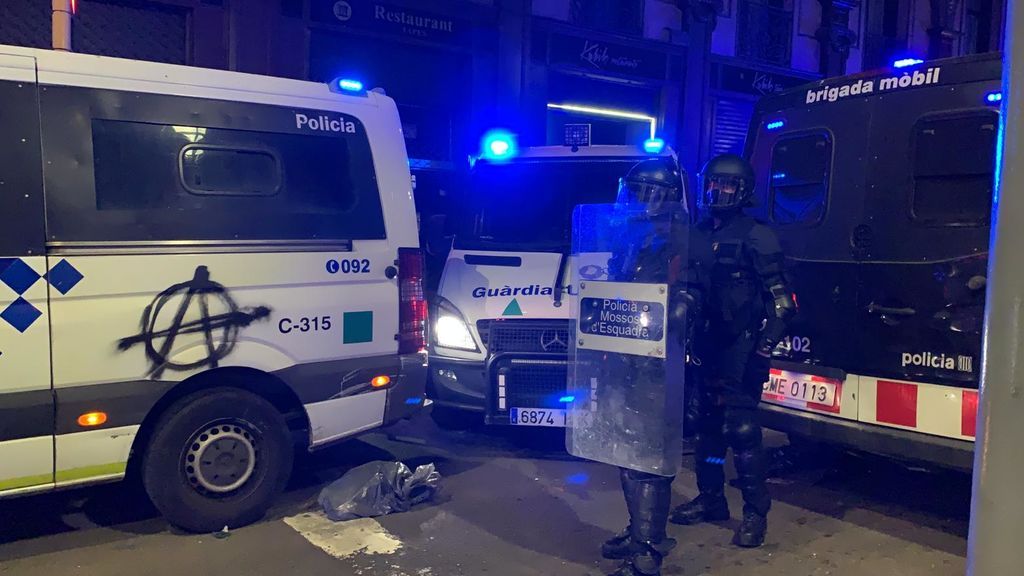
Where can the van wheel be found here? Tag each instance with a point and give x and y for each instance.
(217, 458)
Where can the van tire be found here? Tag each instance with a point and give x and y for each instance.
(255, 455)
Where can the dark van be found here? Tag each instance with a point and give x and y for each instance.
(880, 185)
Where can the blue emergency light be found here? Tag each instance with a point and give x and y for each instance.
(905, 62)
(775, 125)
(994, 97)
(566, 399)
(498, 145)
(349, 85)
(654, 145)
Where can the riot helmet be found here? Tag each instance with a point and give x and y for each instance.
(727, 183)
(655, 183)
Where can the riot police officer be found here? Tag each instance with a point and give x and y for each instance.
(748, 306)
(656, 185)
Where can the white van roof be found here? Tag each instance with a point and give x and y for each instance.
(86, 70)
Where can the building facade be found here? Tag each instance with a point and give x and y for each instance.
(688, 71)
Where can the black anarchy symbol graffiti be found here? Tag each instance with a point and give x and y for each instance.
(200, 289)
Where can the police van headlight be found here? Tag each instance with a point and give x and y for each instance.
(450, 329)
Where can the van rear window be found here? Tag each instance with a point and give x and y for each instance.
(954, 160)
(799, 180)
(229, 170)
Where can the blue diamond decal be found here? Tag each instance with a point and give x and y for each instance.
(19, 276)
(64, 276)
(20, 314)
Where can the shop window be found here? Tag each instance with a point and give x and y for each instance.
(977, 27)
(799, 179)
(954, 159)
(765, 31)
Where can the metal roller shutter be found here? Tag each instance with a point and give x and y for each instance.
(730, 119)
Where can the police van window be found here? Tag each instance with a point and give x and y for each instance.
(799, 179)
(954, 159)
(229, 170)
(133, 174)
(530, 203)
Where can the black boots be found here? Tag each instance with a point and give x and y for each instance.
(645, 559)
(643, 544)
(751, 468)
(703, 508)
(617, 547)
(714, 508)
(752, 530)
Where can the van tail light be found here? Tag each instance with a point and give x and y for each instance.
(412, 302)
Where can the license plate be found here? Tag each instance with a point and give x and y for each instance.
(801, 390)
(537, 417)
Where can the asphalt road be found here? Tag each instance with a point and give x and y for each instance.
(513, 503)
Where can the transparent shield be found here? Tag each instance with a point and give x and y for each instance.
(626, 364)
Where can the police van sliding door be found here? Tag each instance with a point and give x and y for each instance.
(926, 229)
(810, 186)
(26, 398)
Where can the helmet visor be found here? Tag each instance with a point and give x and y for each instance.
(722, 192)
(650, 194)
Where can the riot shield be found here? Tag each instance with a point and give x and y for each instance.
(626, 356)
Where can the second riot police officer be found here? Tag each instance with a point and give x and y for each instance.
(749, 303)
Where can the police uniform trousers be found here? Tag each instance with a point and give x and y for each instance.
(723, 413)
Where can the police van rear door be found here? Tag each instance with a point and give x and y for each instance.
(26, 395)
(926, 229)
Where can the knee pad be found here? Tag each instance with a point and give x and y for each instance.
(742, 429)
(710, 445)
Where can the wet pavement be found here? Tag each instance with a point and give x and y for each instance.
(513, 503)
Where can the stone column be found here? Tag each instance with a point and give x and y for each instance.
(700, 18)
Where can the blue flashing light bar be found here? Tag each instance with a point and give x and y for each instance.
(654, 145)
(994, 97)
(349, 85)
(498, 145)
(905, 62)
(775, 125)
(566, 399)
(778, 175)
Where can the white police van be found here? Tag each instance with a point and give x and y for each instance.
(501, 324)
(198, 269)
(880, 187)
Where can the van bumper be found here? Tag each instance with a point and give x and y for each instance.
(406, 397)
(456, 383)
(891, 442)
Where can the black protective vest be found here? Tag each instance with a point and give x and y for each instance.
(736, 300)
